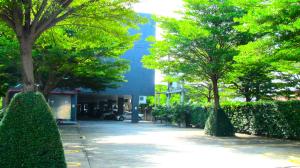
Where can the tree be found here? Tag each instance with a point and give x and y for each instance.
(276, 25)
(200, 45)
(29, 19)
(251, 75)
(81, 70)
(253, 81)
(57, 65)
(94, 68)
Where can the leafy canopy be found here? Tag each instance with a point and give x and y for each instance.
(277, 25)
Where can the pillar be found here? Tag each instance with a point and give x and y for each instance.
(120, 105)
(135, 106)
(74, 107)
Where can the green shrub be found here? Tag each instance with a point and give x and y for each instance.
(199, 116)
(163, 113)
(182, 115)
(273, 119)
(29, 137)
(218, 124)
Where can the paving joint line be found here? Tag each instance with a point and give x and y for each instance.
(83, 145)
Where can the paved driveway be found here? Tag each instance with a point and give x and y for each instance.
(96, 144)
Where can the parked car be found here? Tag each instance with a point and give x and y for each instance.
(109, 115)
(127, 116)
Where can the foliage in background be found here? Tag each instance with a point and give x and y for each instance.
(251, 79)
(9, 73)
(199, 93)
(287, 85)
(29, 136)
(161, 99)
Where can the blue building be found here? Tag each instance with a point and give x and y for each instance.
(84, 103)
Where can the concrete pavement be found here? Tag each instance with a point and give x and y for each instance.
(101, 144)
(73, 143)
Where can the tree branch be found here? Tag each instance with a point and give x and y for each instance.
(50, 21)
(39, 14)
(8, 21)
(28, 7)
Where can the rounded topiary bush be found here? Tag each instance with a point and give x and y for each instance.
(29, 137)
(218, 124)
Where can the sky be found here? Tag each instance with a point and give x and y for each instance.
(161, 8)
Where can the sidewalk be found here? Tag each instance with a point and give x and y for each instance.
(74, 147)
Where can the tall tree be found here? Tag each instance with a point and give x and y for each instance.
(29, 19)
(276, 25)
(95, 67)
(251, 73)
(252, 80)
(201, 44)
(58, 65)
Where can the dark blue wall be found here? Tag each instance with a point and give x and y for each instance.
(141, 81)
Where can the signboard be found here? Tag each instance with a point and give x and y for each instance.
(142, 99)
(61, 106)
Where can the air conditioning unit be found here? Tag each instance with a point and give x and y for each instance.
(142, 99)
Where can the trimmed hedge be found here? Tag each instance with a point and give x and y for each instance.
(273, 119)
(29, 136)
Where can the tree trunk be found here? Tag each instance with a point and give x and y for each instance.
(209, 99)
(209, 96)
(27, 64)
(247, 94)
(248, 98)
(47, 90)
(214, 80)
